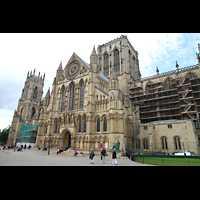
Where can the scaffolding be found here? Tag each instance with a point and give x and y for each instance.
(28, 133)
(176, 98)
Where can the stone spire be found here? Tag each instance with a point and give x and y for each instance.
(48, 94)
(94, 61)
(60, 66)
(177, 66)
(59, 70)
(157, 70)
(94, 53)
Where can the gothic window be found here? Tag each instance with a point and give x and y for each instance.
(46, 126)
(106, 64)
(169, 125)
(72, 97)
(35, 91)
(56, 125)
(63, 101)
(84, 130)
(148, 88)
(82, 96)
(164, 143)
(145, 144)
(192, 75)
(167, 84)
(177, 142)
(138, 144)
(80, 122)
(105, 124)
(116, 61)
(98, 125)
(33, 112)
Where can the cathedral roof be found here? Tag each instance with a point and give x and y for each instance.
(101, 75)
(85, 62)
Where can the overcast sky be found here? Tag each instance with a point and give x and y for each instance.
(20, 53)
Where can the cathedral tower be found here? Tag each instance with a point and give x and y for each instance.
(29, 105)
(31, 97)
(119, 55)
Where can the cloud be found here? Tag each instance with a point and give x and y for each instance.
(163, 50)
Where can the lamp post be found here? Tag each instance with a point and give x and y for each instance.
(50, 136)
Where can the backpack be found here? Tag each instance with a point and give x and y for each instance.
(103, 152)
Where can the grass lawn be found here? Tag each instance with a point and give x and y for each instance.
(168, 161)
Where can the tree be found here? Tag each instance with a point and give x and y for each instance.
(4, 134)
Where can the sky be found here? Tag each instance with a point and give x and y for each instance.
(23, 52)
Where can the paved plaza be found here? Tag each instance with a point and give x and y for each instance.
(35, 157)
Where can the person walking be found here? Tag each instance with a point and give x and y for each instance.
(114, 157)
(103, 154)
(92, 155)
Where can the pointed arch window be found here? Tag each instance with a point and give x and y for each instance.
(98, 125)
(138, 144)
(46, 126)
(177, 142)
(63, 101)
(33, 112)
(106, 64)
(80, 122)
(35, 91)
(105, 124)
(116, 61)
(56, 125)
(82, 96)
(167, 84)
(164, 143)
(84, 130)
(72, 97)
(145, 144)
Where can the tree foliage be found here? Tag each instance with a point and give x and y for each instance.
(4, 134)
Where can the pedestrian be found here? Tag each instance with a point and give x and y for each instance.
(91, 155)
(24, 146)
(114, 157)
(75, 153)
(103, 154)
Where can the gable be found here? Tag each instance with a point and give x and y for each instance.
(75, 67)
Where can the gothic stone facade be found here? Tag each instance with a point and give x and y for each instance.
(90, 105)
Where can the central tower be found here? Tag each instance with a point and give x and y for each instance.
(120, 56)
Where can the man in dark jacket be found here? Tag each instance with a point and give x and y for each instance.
(92, 155)
(103, 154)
(114, 157)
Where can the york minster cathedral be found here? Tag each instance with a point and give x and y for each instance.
(94, 105)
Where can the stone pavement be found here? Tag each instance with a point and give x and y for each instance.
(35, 157)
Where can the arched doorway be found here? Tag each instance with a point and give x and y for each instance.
(66, 139)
